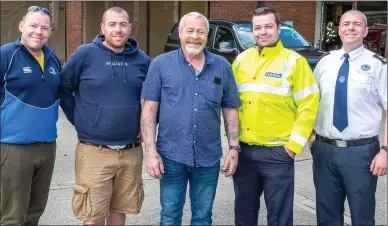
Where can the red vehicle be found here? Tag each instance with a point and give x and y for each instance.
(375, 40)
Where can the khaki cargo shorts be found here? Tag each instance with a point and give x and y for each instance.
(107, 181)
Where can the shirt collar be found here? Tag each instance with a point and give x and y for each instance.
(354, 53)
(209, 58)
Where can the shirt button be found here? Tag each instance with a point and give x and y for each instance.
(195, 109)
(196, 78)
(196, 94)
(195, 126)
(194, 142)
(189, 64)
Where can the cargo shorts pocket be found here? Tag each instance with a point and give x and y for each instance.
(82, 208)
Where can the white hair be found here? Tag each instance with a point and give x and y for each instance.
(194, 15)
(354, 12)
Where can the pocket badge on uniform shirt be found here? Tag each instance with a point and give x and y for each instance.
(217, 80)
(365, 67)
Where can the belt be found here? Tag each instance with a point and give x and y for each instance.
(128, 146)
(347, 143)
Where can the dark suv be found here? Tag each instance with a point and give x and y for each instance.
(229, 38)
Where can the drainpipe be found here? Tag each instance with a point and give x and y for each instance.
(386, 41)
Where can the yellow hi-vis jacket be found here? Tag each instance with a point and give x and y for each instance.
(279, 97)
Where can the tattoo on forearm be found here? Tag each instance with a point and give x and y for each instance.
(231, 128)
(148, 128)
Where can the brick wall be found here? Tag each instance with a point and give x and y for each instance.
(302, 13)
(73, 26)
(232, 10)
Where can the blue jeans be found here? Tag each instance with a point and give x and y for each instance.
(203, 184)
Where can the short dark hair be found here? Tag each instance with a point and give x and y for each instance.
(265, 11)
(115, 9)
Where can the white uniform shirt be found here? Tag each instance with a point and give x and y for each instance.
(367, 94)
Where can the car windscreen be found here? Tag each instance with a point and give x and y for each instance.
(289, 37)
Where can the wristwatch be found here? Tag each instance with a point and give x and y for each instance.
(384, 148)
(237, 148)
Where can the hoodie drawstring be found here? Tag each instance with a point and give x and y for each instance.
(123, 63)
(111, 65)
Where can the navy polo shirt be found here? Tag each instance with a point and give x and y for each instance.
(190, 105)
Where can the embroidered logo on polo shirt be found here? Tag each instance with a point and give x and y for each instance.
(273, 74)
(52, 71)
(27, 70)
(365, 67)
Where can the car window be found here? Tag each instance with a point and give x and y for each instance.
(224, 39)
(289, 37)
(209, 36)
(292, 38)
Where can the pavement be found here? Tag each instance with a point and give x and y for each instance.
(59, 207)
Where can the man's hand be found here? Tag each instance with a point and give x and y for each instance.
(311, 140)
(231, 162)
(379, 164)
(154, 165)
(290, 153)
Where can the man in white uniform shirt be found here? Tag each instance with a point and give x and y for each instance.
(347, 156)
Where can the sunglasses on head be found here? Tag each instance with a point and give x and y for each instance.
(39, 9)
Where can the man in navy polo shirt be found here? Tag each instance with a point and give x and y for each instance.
(29, 102)
(186, 90)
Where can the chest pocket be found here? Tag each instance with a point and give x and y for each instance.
(360, 84)
(212, 91)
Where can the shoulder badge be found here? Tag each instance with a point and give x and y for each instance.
(380, 58)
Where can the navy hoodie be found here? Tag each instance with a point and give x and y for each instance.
(100, 92)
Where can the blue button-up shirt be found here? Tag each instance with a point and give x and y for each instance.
(190, 106)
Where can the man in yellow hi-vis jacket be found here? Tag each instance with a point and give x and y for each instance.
(280, 101)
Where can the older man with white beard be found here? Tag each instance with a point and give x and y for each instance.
(186, 89)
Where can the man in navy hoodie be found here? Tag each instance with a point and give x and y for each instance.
(100, 95)
(29, 102)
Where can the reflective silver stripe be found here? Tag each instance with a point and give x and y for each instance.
(306, 92)
(298, 138)
(261, 88)
(277, 142)
(287, 68)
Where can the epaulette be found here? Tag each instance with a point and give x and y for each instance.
(380, 58)
(327, 53)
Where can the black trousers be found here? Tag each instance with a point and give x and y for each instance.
(268, 170)
(341, 173)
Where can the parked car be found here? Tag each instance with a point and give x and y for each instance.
(229, 38)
